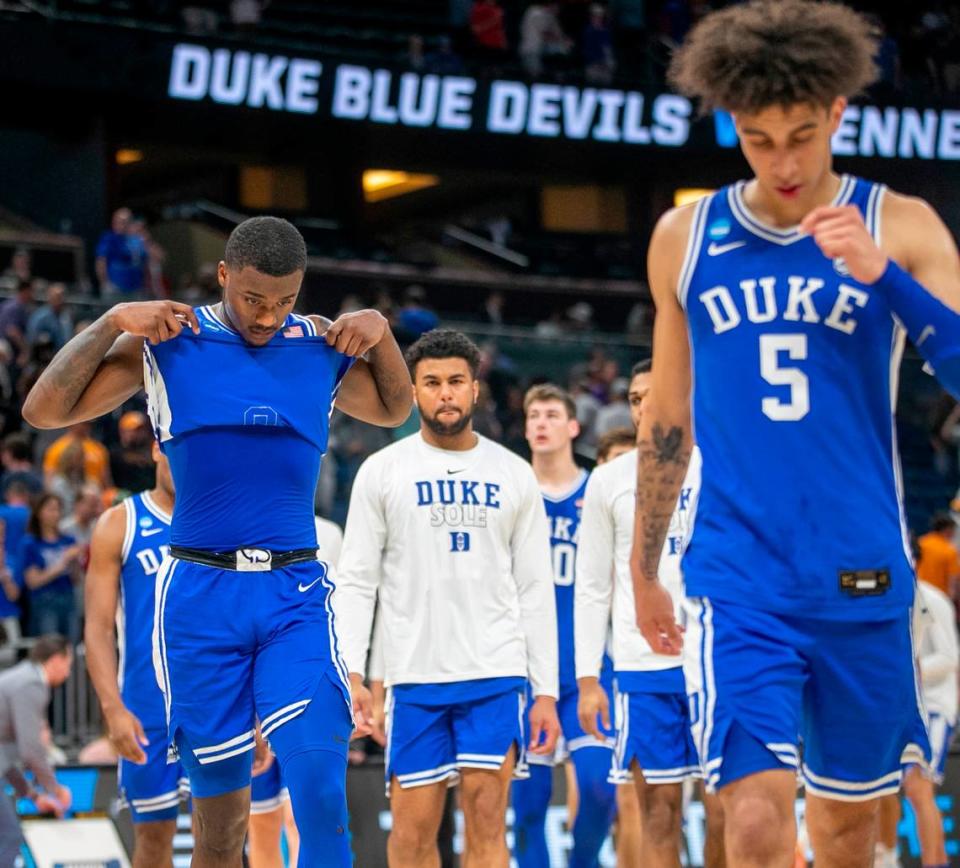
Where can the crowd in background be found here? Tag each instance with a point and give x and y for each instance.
(55, 484)
(634, 39)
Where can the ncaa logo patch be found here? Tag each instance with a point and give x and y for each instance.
(840, 267)
(145, 522)
(718, 229)
(459, 541)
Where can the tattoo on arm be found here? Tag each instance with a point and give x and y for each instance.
(661, 467)
(390, 374)
(64, 380)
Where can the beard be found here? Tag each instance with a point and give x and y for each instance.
(448, 429)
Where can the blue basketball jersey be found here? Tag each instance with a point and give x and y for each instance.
(145, 543)
(795, 368)
(563, 515)
(244, 428)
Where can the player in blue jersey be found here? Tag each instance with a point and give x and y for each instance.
(240, 395)
(551, 428)
(781, 303)
(129, 543)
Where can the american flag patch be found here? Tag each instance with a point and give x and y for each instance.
(294, 331)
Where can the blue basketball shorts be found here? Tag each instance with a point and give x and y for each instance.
(267, 792)
(152, 791)
(940, 730)
(761, 684)
(572, 735)
(653, 731)
(233, 647)
(427, 744)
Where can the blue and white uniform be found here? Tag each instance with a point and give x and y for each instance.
(152, 790)
(244, 429)
(651, 711)
(563, 516)
(799, 569)
(939, 660)
(590, 756)
(457, 544)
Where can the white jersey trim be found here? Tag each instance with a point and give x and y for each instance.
(154, 508)
(692, 253)
(783, 237)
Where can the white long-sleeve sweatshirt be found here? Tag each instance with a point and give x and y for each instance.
(457, 543)
(938, 650)
(604, 585)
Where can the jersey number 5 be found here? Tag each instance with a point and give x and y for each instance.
(795, 348)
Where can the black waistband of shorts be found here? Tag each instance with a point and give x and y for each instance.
(233, 560)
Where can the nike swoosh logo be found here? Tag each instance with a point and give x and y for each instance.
(457, 471)
(302, 587)
(156, 530)
(716, 249)
(928, 332)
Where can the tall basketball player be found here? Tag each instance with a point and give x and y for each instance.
(654, 751)
(784, 299)
(240, 395)
(551, 427)
(449, 527)
(129, 543)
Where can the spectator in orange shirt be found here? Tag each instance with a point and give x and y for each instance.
(96, 458)
(939, 560)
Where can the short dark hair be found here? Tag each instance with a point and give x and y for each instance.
(752, 56)
(271, 245)
(613, 438)
(641, 367)
(443, 344)
(49, 645)
(942, 521)
(33, 523)
(18, 445)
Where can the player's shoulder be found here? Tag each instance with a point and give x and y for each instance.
(111, 526)
(622, 469)
(673, 226)
(933, 597)
(507, 458)
(902, 206)
(388, 456)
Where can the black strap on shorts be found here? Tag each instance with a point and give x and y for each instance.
(244, 560)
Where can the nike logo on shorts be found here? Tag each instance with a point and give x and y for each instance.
(302, 587)
(717, 249)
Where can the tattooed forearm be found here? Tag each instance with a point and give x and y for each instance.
(64, 380)
(391, 377)
(662, 459)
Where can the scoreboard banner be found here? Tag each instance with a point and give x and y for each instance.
(129, 68)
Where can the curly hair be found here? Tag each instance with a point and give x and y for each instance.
(443, 344)
(748, 57)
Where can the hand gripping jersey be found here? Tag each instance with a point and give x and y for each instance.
(244, 429)
(795, 368)
(145, 544)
